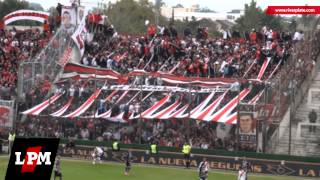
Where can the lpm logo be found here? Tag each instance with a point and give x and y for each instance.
(32, 158)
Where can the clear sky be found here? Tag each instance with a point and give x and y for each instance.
(216, 5)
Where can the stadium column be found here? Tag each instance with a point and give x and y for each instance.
(292, 101)
(140, 111)
(95, 102)
(188, 119)
(264, 121)
(49, 108)
(238, 117)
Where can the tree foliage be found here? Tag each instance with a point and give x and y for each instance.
(255, 17)
(8, 6)
(307, 21)
(129, 16)
(178, 6)
(273, 22)
(293, 25)
(194, 24)
(35, 6)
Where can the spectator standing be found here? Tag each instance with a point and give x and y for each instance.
(154, 149)
(186, 150)
(312, 118)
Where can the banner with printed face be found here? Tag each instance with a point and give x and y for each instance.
(6, 113)
(247, 130)
(68, 18)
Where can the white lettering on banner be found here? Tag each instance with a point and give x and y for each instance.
(40, 157)
(65, 57)
(162, 88)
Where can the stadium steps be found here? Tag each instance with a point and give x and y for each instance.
(305, 146)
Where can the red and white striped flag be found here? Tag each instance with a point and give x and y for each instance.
(77, 36)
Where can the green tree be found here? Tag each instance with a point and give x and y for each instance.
(128, 16)
(212, 26)
(35, 6)
(8, 6)
(293, 25)
(178, 6)
(307, 21)
(251, 17)
(255, 18)
(194, 24)
(273, 22)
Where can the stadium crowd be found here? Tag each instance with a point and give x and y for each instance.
(166, 133)
(189, 55)
(198, 56)
(17, 46)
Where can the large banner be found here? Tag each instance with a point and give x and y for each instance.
(79, 34)
(6, 113)
(216, 162)
(64, 59)
(247, 130)
(68, 18)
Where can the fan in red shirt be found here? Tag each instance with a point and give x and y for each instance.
(152, 30)
(253, 36)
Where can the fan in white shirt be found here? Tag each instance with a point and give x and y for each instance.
(71, 91)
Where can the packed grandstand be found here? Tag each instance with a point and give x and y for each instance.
(170, 76)
(163, 86)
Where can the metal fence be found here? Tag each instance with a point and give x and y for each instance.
(28, 71)
(44, 66)
(289, 88)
